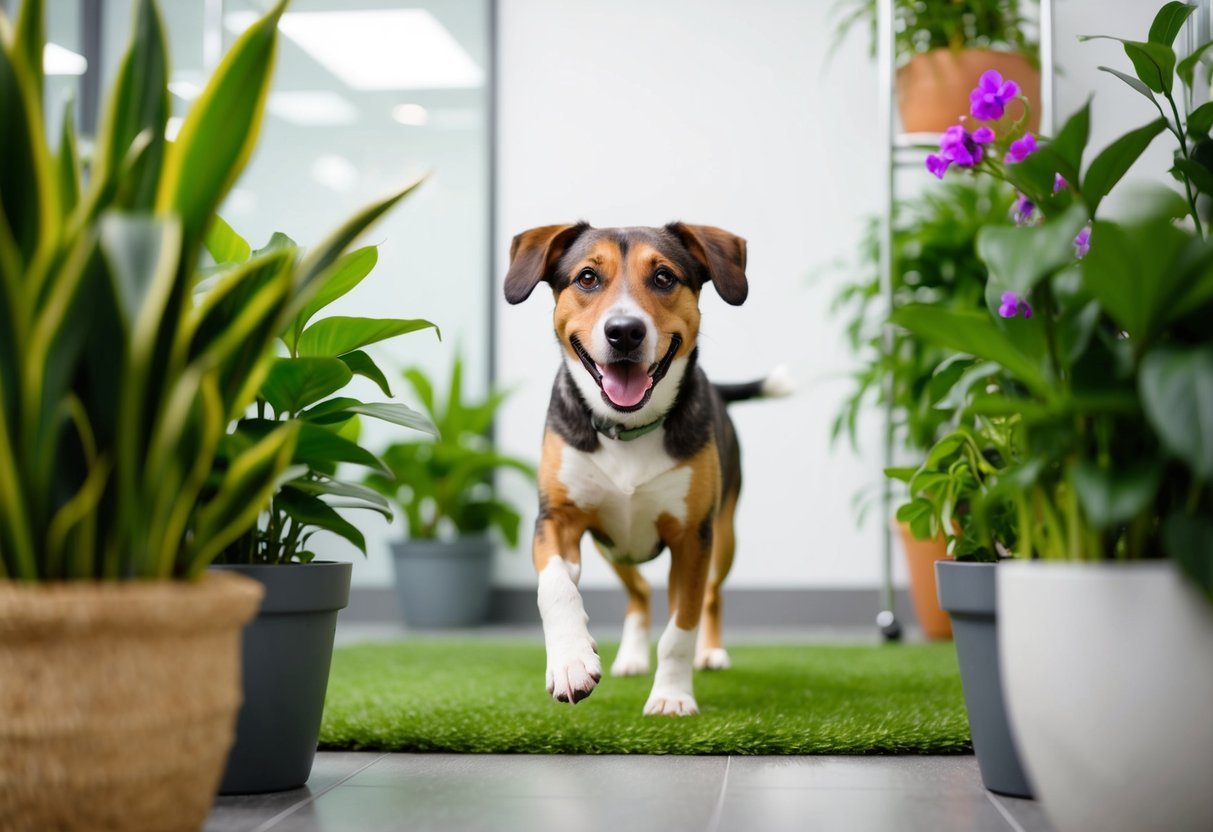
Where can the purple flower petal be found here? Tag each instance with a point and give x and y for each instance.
(1059, 182)
(1082, 243)
(1024, 309)
(1021, 149)
(983, 135)
(989, 98)
(937, 165)
(1022, 210)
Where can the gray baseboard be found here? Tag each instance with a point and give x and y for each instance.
(744, 607)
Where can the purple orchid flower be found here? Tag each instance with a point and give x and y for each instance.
(1082, 243)
(1012, 305)
(988, 101)
(959, 147)
(1021, 149)
(1022, 210)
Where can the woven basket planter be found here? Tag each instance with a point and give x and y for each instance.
(118, 700)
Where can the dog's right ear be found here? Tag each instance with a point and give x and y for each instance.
(533, 255)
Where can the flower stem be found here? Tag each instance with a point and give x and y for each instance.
(1183, 145)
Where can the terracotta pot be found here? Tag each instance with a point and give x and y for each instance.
(920, 559)
(933, 88)
(118, 700)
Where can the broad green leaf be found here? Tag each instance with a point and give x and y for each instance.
(1136, 273)
(1199, 175)
(322, 256)
(220, 129)
(1200, 120)
(1177, 395)
(1112, 496)
(917, 515)
(397, 414)
(1071, 141)
(339, 334)
(422, 387)
(308, 510)
(1019, 258)
(295, 383)
(337, 280)
(1154, 63)
(322, 448)
(1132, 82)
(369, 498)
(224, 244)
(137, 109)
(1187, 67)
(973, 333)
(1169, 20)
(361, 364)
(1114, 161)
(330, 411)
(1188, 540)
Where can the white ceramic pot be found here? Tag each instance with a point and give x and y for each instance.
(1108, 675)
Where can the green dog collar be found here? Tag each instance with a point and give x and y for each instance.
(614, 430)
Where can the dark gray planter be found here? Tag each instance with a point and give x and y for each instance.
(442, 584)
(287, 652)
(968, 592)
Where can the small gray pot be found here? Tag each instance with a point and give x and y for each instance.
(287, 652)
(442, 584)
(967, 591)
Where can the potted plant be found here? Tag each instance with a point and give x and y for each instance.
(942, 49)
(444, 489)
(1105, 653)
(935, 261)
(120, 653)
(288, 647)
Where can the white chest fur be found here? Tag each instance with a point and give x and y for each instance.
(629, 485)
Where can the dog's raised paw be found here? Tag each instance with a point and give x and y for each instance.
(670, 703)
(571, 677)
(717, 658)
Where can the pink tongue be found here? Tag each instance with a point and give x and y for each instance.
(625, 383)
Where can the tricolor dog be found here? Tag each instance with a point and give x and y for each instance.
(638, 450)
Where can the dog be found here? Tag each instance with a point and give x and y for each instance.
(638, 449)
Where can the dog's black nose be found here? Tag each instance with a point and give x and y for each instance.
(625, 333)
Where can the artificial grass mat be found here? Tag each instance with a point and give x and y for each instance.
(488, 696)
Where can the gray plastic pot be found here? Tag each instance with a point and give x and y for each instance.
(287, 652)
(968, 593)
(442, 584)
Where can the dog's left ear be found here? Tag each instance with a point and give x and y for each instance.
(722, 254)
(533, 255)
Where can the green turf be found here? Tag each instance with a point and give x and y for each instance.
(488, 696)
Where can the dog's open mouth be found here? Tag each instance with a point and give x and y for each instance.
(626, 385)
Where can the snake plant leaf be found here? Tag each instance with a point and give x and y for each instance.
(224, 244)
(308, 510)
(68, 162)
(295, 383)
(336, 281)
(339, 334)
(361, 364)
(138, 105)
(29, 42)
(27, 179)
(220, 130)
(243, 493)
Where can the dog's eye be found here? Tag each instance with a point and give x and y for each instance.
(663, 279)
(588, 280)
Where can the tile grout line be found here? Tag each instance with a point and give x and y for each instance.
(1005, 812)
(312, 798)
(714, 823)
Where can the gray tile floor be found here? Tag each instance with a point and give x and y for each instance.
(366, 792)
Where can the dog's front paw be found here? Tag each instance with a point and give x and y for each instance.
(630, 661)
(573, 673)
(670, 702)
(716, 658)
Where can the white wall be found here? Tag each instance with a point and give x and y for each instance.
(727, 113)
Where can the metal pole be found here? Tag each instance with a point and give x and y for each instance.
(886, 619)
(1198, 27)
(1048, 101)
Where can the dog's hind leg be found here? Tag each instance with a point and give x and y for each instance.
(633, 656)
(710, 653)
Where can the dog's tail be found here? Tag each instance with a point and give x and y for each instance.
(777, 383)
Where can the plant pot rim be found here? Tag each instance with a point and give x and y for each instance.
(319, 586)
(98, 608)
(1079, 568)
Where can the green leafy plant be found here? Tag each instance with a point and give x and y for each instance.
(923, 25)
(302, 390)
(445, 486)
(1099, 341)
(935, 262)
(116, 385)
